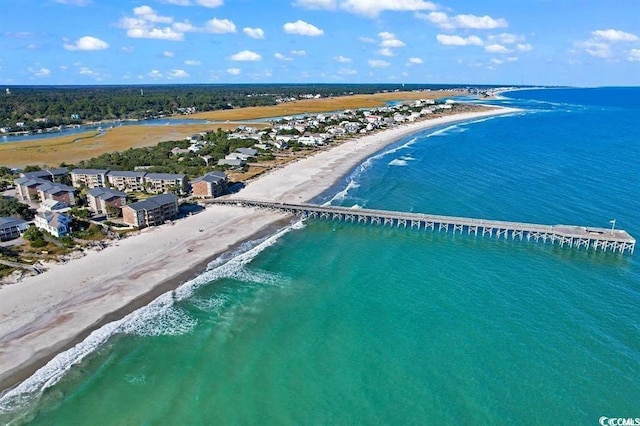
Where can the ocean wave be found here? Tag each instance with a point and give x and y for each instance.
(398, 162)
(160, 317)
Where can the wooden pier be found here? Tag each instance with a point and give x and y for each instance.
(577, 237)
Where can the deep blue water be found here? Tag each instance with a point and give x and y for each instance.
(340, 323)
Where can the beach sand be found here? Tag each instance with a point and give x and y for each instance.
(46, 314)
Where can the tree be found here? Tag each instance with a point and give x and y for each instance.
(34, 236)
(12, 207)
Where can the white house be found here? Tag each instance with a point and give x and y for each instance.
(56, 224)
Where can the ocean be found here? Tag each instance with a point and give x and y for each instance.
(334, 323)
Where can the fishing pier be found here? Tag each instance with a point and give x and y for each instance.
(589, 238)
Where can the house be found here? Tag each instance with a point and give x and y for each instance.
(12, 227)
(231, 163)
(246, 153)
(210, 185)
(52, 205)
(165, 182)
(91, 178)
(58, 192)
(152, 211)
(99, 199)
(126, 181)
(56, 224)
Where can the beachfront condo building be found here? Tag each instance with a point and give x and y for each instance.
(151, 212)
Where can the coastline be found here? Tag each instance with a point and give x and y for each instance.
(46, 314)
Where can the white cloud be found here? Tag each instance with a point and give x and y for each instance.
(302, 28)
(148, 14)
(42, 72)
(257, 33)
(87, 43)
(496, 48)
(372, 8)
(634, 55)
(455, 40)
(74, 2)
(210, 3)
(156, 33)
(366, 40)
(184, 27)
(282, 57)
(246, 56)
(192, 62)
(392, 43)
(377, 63)
(316, 4)
(415, 61)
(220, 26)
(89, 72)
(506, 38)
(524, 47)
(178, 74)
(298, 53)
(613, 35)
(168, 54)
(341, 59)
(474, 22)
(234, 71)
(128, 49)
(155, 74)
(347, 71)
(385, 51)
(497, 61)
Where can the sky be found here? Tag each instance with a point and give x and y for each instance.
(499, 42)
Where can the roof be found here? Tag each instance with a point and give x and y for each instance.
(54, 188)
(36, 174)
(247, 151)
(119, 173)
(213, 177)
(58, 171)
(229, 162)
(153, 202)
(6, 222)
(89, 171)
(105, 193)
(51, 203)
(164, 176)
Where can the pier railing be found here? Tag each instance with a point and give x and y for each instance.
(593, 238)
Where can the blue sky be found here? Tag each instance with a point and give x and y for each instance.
(545, 42)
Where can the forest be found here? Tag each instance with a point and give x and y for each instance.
(29, 108)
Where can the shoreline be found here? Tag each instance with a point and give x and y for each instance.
(47, 314)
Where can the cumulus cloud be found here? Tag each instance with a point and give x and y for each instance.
(87, 43)
(378, 63)
(143, 25)
(473, 22)
(605, 43)
(387, 41)
(634, 55)
(210, 3)
(168, 54)
(220, 26)
(192, 62)
(347, 71)
(372, 8)
(342, 59)
(613, 35)
(42, 72)
(366, 39)
(496, 48)
(456, 40)
(155, 74)
(524, 47)
(298, 53)
(246, 56)
(178, 74)
(316, 4)
(282, 57)
(234, 71)
(302, 28)
(415, 61)
(257, 33)
(385, 51)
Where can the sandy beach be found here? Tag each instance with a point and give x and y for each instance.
(46, 314)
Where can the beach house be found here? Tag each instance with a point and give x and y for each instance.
(105, 200)
(152, 211)
(212, 184)
(165, 182)
(12, 227)
(56, 224)
(91, 178)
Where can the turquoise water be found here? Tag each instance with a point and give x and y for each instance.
(338, 324)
